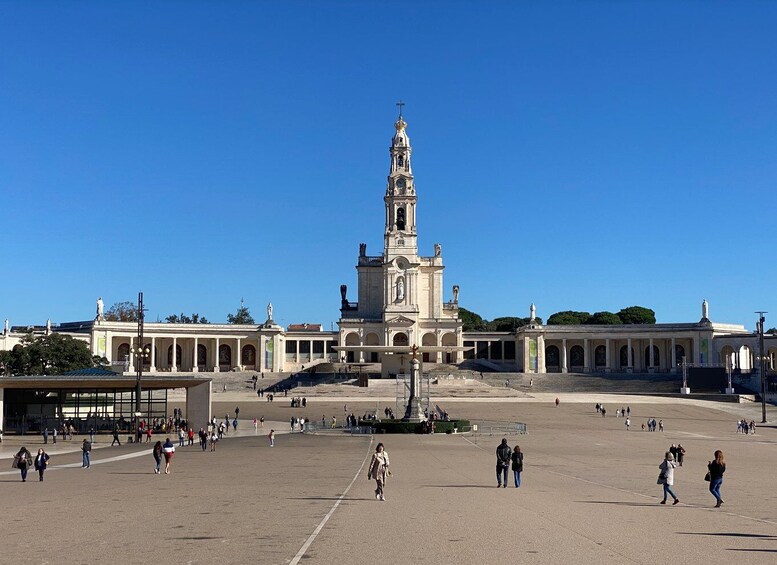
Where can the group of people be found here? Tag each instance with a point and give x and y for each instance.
(743, 427)
(23, 460)
(298, 402)
(715, 469)
(507, 458)
(651, 425)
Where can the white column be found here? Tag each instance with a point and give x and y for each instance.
(564, 368)
(216, 368)
(239, 363)
(607, 365)
(259, 355)
(629, 356)
(153, 355)
(586, 356)
(652, 356)
(195, 365)
(673, 356)
(132, 356)
(174, 366)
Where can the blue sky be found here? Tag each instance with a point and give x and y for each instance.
(582, 155)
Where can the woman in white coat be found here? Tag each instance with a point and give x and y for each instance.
(378, 470)
(666, 477)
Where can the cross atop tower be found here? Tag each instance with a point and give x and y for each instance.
(400, 104)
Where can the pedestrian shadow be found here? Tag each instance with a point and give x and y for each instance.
(617, 502)
(731, 534)
(756, 550)
(461, 486)
(345, 499)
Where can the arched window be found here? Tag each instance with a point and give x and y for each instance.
(625, 356)
(202, 355)
(576, 356)
(225, 355)
(552, 357)
(123, 352)
(400, 339)
(248, 356)
(400, 161)
(679, 353)
(400, 218)
(177, 356)
(600, 356)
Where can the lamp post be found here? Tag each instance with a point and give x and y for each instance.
(141, 354)
(762, 363)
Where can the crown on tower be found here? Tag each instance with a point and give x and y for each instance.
(400, 124)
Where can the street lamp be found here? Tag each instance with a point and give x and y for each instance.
(141, 354)
(762, 364)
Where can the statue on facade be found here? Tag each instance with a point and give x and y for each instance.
(362, 250)
(400, 289)
(343, 292)
(455, 294)
(100, 307)
(7, 328)
(705, 310)
(437, 249)
(532, 312)
(269, 311)
(48, 326)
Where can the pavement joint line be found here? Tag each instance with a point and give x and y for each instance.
(761, 520)
(325, 519)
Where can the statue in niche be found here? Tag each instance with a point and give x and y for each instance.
(100, 307)
(455, 294)
(437, 249)
(343, 292)
(362, 250)
(400, 289)
(400, 161)
(269, 311)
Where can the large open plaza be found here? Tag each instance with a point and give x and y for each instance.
(588, 492)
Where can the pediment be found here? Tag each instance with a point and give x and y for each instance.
(400, 321)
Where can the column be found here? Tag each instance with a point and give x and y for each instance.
(696, 350)
(310, 345)
(586, 356)
(607, 365)
(629, 356)
(673, 356)
(564, 368)
(216, 368)
(652, 356)
(195, 364)
(152, 368)
(239, 363)
(132, 356)
(259, 354)
(174, 367)
(541, 354)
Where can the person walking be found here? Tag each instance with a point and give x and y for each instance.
(256, 425)
(716, 469)
(271, 435)
(666, 477)
(628, 423)
(23, 459)
(91, 435)
(115, 437)
(181, 436)
(157, 453)
(41, 461)
(86, 454)
(190, 434)
(168, 449)
(213, 439)
(517, 459)
(379, 470)
(503, 458)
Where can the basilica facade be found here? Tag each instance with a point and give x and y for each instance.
(401, 305)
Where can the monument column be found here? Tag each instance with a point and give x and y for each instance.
(629, 357)
(196, 358)
(216, 368)
(564, 368)
(152, 368)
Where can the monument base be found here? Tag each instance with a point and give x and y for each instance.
(730, 391)
(685, 390)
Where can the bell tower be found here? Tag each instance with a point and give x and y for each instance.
(400, 236)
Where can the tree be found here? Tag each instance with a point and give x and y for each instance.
(51, 354)
(568, 318)
(604, 319)
(771, 331)
(509, 324)
(242, 316)
(471, 322)
(183, 319)
(637, 315)
(122, 312)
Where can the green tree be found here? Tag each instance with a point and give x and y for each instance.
(509, 323)
(637, 315)
(604, 319)
(122, 312)
(568, 318)
(51, 354)
(183, 319)
(771, 331)
(242, 316)
(471, 322)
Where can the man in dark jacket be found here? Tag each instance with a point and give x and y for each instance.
(503, 453)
